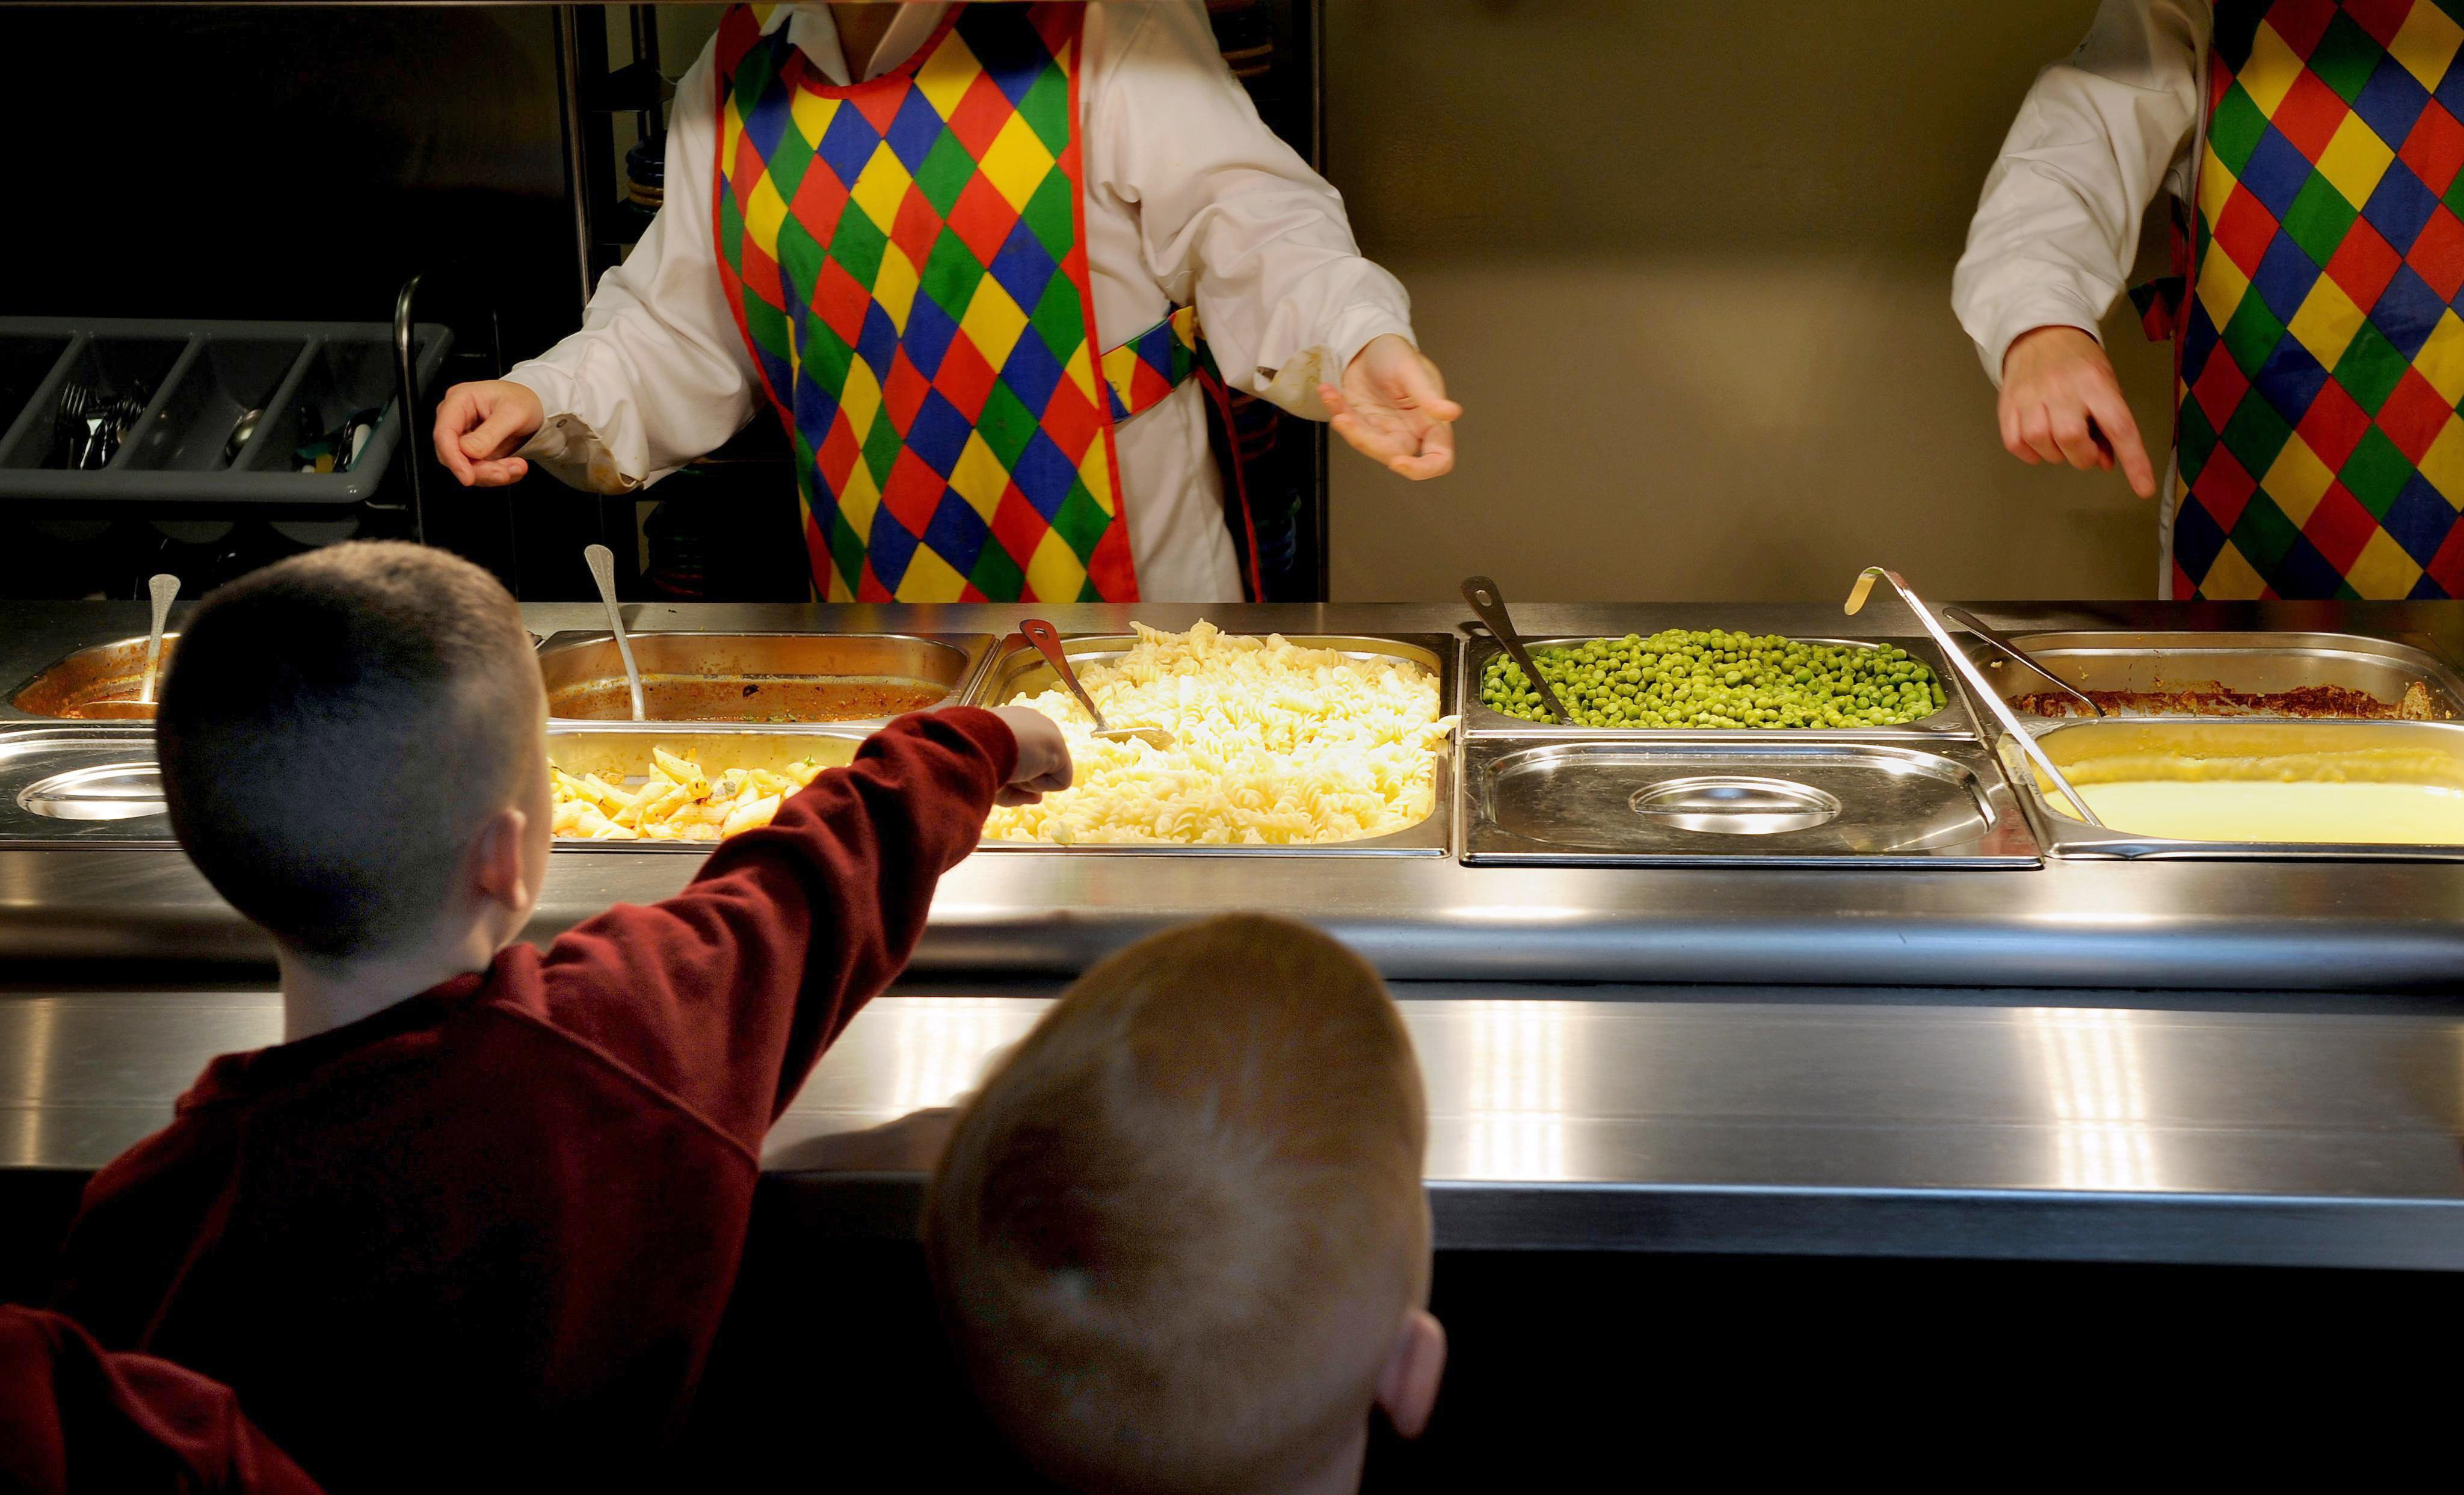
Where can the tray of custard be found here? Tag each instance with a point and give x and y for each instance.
(2251, 789)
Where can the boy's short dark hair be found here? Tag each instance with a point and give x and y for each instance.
(334, 730)
(1175, 1234)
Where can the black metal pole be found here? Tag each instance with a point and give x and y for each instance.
(577, 176)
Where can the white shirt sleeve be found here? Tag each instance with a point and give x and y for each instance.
(1228, 215)
(2057, 227)
(658, 375)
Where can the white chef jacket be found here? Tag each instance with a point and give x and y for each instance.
(2057, 228)
(1189, 196)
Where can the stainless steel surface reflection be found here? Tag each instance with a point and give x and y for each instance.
(1566, 801)
(1850, 1126)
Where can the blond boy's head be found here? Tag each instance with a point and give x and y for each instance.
(1180, 1235)
(337, 731)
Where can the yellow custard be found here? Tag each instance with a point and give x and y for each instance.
(2346, 812)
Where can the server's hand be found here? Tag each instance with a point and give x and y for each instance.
(481, 426)
(1393, 407)
(2060, 403)
(1043, 765)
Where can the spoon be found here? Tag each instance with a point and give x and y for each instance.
(603, 570)
(1047, 642)
(243, 430)
(1490, 604)
(1975, 679)
(165, 586)
(2013, 652)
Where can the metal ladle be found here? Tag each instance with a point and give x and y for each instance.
(1490, 604)
(1047, 642)
(165, 586)
(1975, 679)
(603, 570)
(2018, 655)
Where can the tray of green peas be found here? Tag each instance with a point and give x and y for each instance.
(1696, 681)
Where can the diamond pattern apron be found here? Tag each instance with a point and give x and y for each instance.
(906, 259)
(2322, 357)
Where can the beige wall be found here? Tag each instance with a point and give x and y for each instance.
(1687, 265)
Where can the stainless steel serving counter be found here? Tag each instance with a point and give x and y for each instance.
(2287, 1131)
(2192, 925)
(1877, 1061)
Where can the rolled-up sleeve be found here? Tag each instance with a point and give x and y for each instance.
(2057, 227)
(658, 375)
(1229, 216)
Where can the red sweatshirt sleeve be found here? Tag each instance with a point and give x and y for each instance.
(70, 1412)
(726, 993)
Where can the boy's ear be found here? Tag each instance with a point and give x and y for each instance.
(496, 858)
(1407, 1384)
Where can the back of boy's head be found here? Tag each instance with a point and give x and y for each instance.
(335, 728)
(1179, 1230)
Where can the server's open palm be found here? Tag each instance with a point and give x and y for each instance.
(481, 426)
(1393, 407)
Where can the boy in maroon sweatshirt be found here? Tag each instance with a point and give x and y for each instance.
(477, 1219)
(75, 1417)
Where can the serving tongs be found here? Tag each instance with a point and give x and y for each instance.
(2018, 655)
(1490, 604)
(1975, 679)
(1047, 642)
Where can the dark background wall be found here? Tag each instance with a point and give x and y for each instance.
(291, 163)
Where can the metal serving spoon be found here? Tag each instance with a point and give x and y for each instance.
(1047, 642)
(603, 570)
(2013, 652)
(1975, 679)
(1490, 604)
(165, 586)
(243, 431)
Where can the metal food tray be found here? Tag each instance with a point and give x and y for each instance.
(951, 661)
(614, 750)
(2082, 741)
(198, 377)
(1778, 801)
(98, 671)
(1020, 671)
(2260, 662)
(1952, 721)
(81, 785)
(96, 784)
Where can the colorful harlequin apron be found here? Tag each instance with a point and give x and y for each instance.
(906, 259)
(2321, 355)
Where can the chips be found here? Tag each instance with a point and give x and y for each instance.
(676, 800)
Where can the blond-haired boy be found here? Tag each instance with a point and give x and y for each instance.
(1181, 1237)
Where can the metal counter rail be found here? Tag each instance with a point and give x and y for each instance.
(2289, 1133)
(2192, 925)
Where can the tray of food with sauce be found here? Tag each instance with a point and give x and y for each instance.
(761, 679)
(2297, 676)
(103, 682)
